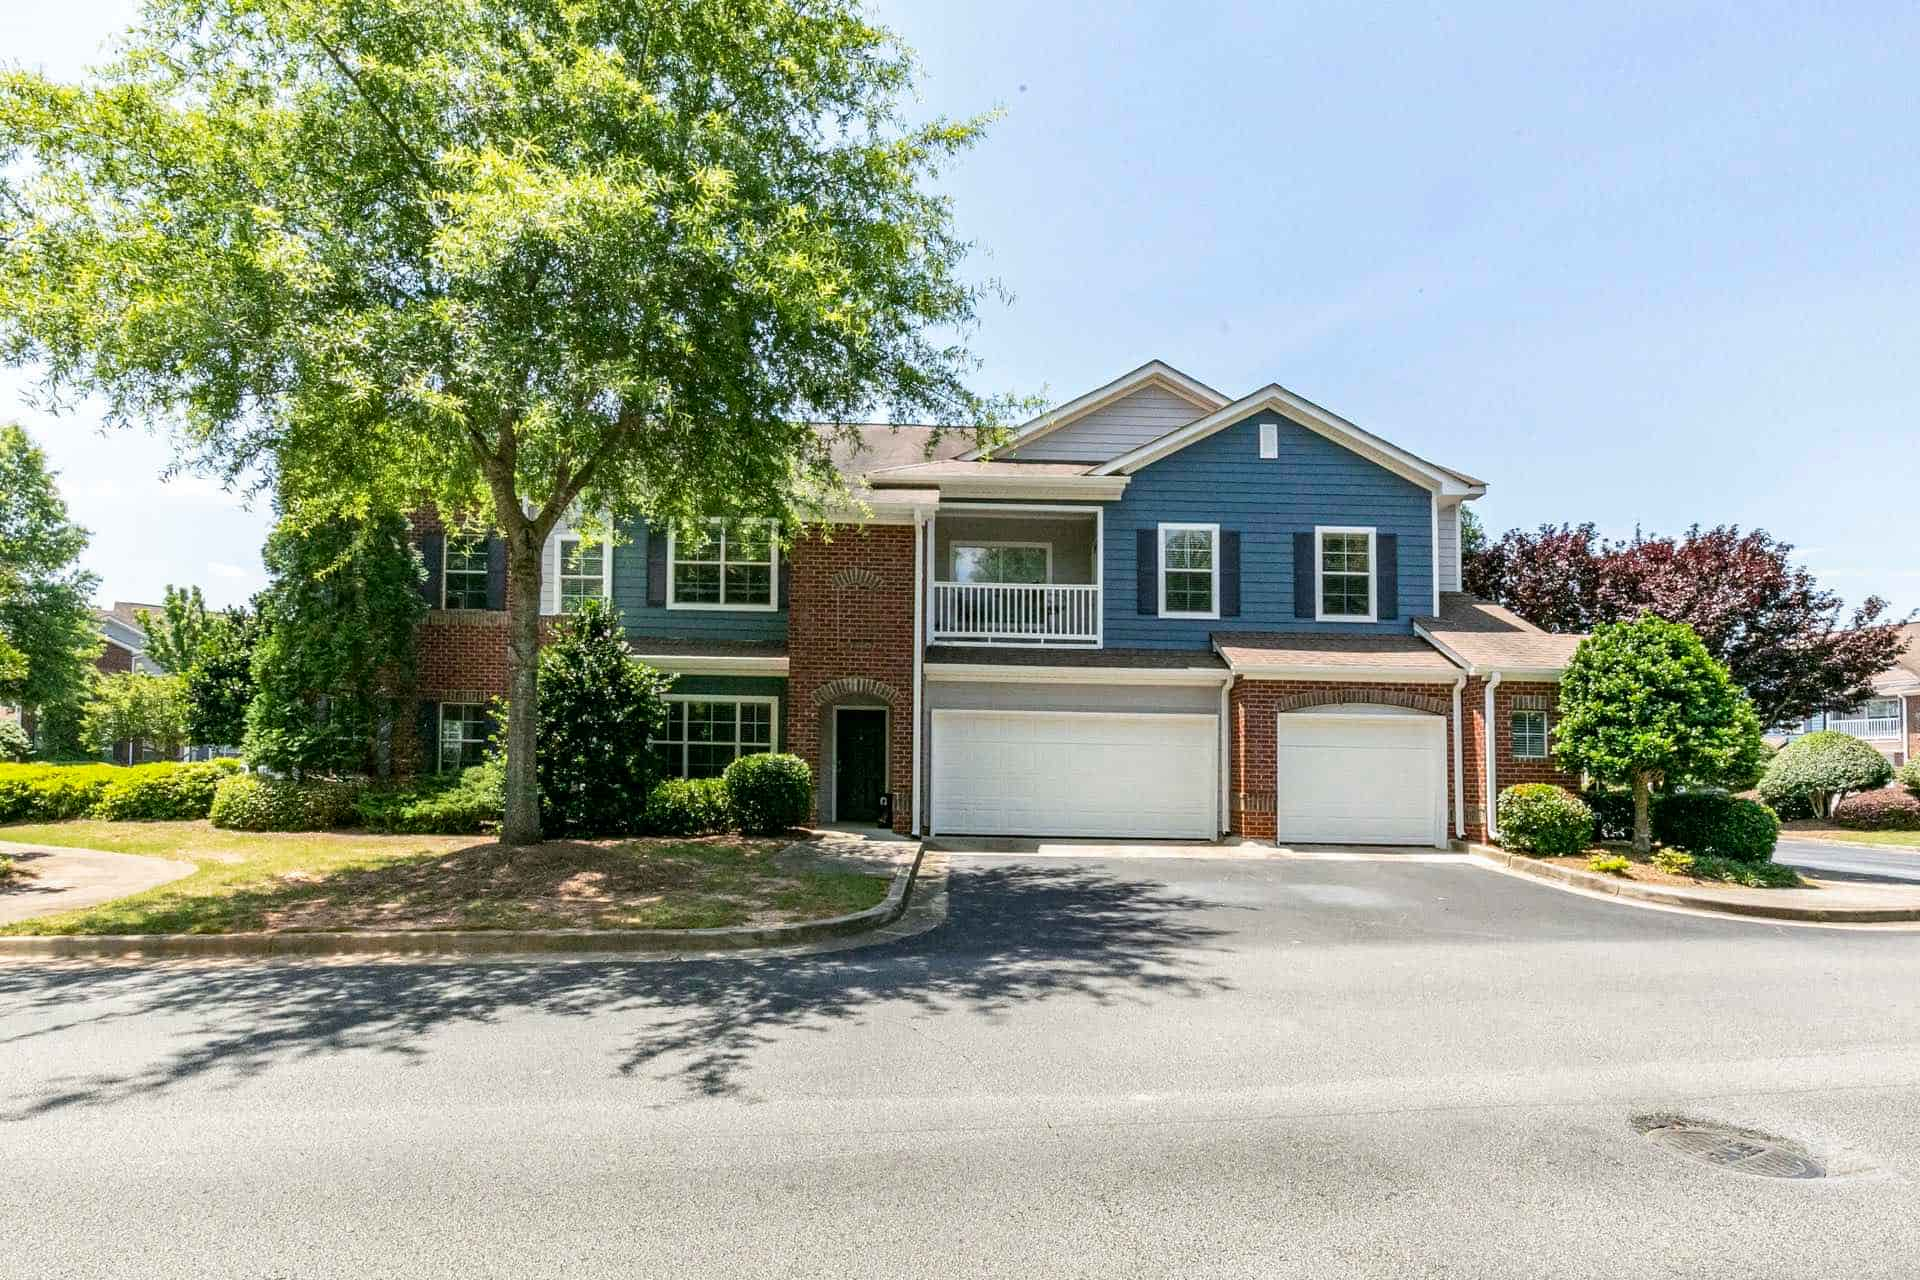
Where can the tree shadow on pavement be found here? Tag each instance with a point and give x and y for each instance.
(1016, 934)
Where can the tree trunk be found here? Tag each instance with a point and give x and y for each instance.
(1642, 814)
(522, 823)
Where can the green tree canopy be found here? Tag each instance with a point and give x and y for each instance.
(1643, 702)
(140, 709)
(219, 681)
(48, 636)
(334, 666)
(505, 255)
(175, 634)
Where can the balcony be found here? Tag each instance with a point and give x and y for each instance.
(1866, 726)
(1019, 577)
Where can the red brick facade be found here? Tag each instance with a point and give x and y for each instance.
(1252, 707)
(1507, 698)
(114, 660)
(850, 641)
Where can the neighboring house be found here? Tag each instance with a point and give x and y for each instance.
(1156, 612)
(126, 642)
(1890, 720)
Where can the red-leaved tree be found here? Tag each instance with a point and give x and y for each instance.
(1787, 642)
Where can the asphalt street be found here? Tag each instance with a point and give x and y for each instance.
(1835, 860)
(1112, 1068)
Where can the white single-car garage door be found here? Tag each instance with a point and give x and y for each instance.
(1361, 777)
(1076, 773)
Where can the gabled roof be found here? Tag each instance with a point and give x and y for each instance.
(1153, 373)
(1314, 655)
(1429, 475)
(1484, 637)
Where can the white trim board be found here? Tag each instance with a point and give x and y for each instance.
(686, 664)
(1019, 673)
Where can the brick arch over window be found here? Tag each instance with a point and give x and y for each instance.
(854, 686)
(1361, 693)
(859, 579)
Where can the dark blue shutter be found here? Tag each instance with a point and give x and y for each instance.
(656, 568)
(496, 572)
(433, 552)
(1229, 573)
(782, 570)
(1305, 576)
(1147, 571)
(426, 732)
(1387, 578)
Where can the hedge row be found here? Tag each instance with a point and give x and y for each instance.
(160, 792)
(1538, 817)
(1891, 809)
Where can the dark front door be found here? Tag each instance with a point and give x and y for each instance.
(859, 763)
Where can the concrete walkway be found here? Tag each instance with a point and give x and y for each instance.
(48, 879)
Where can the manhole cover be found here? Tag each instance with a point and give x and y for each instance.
(1743, 1150)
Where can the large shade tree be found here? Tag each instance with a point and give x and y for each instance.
(507, 256)
(1792, 646)
(48, 636)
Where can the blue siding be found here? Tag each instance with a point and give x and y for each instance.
(1224, 480)
(630, 597)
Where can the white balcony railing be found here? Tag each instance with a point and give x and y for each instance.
(1015, 613)
(1867, 727)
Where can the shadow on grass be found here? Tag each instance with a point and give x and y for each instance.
(1015, 935)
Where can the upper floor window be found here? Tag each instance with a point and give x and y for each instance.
(583, 572)
(464, 574)
(1346, 574)
(1024, 562)
(1189, 571)
(732, 566)
(1529, 730)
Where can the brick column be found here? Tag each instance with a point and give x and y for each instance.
(850, 640)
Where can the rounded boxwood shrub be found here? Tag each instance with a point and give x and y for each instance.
(1713, 824)
(689, 807)
(1908, 776)
(770, 792)
(162, 792)
(1889, 810)
(253, 802)
(1816, 769)
(1538, 817)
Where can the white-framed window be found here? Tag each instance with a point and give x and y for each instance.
(1189, 571)
(463, 573)
(1529, 729)
(583, 571)
(705, 735)
(1021, 562)
(464, 729)
(1345, 559)
(1269, 439)
(734, 566)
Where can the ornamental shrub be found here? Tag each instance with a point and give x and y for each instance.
(1822, 768)
(1890, 809)
(50, 792)
(15, 746)
(1754, 875)
(1538, 817)
(1612, 812)
(598, 709)
(1610, 864)
(1673, 862)
(1716, 825)
(770, 793)
(1908, 776)
(466, 803)
(162, 792)
(254, 802)
(689, 807)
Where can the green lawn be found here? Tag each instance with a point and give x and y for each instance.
(346, 880)
(1825, 831)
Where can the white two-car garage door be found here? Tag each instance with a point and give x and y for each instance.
(1361, 778)
(1076, 773)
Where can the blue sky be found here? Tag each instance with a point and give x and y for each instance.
(1639, 265)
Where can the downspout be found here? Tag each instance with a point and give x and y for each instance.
(919, 654)
(1225, 821)
(1459, 766)
(1493, 743)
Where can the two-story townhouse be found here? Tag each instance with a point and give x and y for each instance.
(1889, 721)
(1155, 612)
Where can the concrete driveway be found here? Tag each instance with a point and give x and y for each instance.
(1099, 1066)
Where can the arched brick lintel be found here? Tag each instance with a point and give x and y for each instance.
(854, 686)
(1361, 693)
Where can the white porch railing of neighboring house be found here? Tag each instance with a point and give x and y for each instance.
(1866, 726)
(1015, 613)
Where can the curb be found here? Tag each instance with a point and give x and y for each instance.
(467, 942)
(1520, 864)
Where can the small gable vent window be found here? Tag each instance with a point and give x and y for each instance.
(1269, 439)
